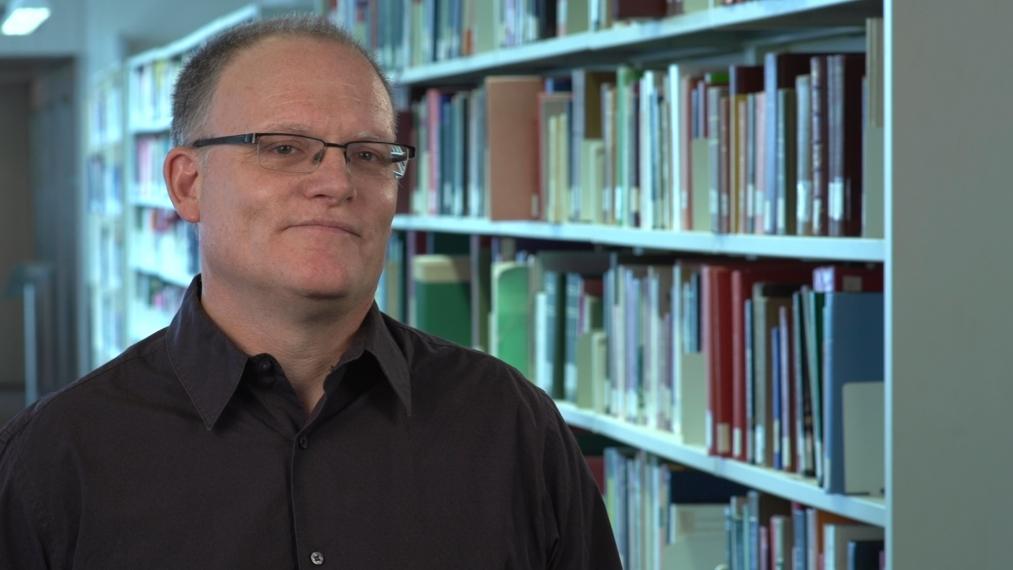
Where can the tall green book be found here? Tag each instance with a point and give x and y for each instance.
(510, 321)
(442, 305)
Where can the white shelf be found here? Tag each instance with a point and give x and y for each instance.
(786, 485)
(149, 126)
(105, 146)
(193, 40)
(618, 40)
(822, 248)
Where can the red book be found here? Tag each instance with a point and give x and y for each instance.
(717, 333)
(847, 279)
(639, 9)
(844, 102)
(742, 281)
(818, 141)
(433, 97)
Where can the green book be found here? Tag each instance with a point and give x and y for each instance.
(510, 323)
(443, 296)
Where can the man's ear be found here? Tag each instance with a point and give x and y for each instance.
(182, 173)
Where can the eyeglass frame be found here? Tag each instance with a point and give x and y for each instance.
(251, 139)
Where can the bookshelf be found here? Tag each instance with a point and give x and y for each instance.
(662, 444)
(946, 382)
(837, 249)
(161, 255)
(736, 34)
(690, 35)
(105, 233)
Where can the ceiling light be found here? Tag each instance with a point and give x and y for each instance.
(23, 16)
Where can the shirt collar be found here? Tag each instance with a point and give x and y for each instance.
(210, 366)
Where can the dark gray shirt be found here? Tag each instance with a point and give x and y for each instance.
(184, 452)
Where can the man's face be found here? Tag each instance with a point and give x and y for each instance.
(318, 235)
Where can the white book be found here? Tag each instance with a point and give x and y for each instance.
(864, 471)
(835, 542)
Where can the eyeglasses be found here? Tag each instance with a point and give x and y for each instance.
(301, 154)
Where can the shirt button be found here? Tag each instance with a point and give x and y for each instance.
(304, 442)
(317, 558)
(265, 365)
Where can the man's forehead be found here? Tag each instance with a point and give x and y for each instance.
(285, 74)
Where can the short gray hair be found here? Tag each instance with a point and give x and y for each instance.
(195, 87)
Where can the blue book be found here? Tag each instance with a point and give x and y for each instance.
(688, 486)
(853, 345)
(775, 396)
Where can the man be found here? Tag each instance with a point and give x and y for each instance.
(281, 421)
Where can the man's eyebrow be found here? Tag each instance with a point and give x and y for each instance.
(304, 129)
(293, 128)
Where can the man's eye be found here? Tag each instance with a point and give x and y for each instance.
(283, 149)
(367, 156)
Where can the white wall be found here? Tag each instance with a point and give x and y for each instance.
(113, 27)
(17, 228)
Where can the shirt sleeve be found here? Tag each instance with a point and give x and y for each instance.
(584, 538)
(21, 542)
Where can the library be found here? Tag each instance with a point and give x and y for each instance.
(749, 248)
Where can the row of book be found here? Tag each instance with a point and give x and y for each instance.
(406, 33)
(151, 86)
(668, 516)
(153, 305)
(789, 147)
(105, 185)
(149, 154)
(106, 255)
(109, 334)
(164, 244)
(779, 364)
(105, 112)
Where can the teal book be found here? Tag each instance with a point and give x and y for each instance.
(442, 285)
(853, 337)
(511, 315)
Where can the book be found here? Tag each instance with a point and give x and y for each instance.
(836, 538)
(690, 375)
(743, 81)
(510, 322)
(784, 197)
(512, 115)
(767, 300)
(873, 171)
(780, 71)
(864, 554)
(816, 522)
(742, 282)
(442, 291)
(844, 278)
(863, 414)
(844, 160)
(803, 156)
(853, 324)
(818, 143)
